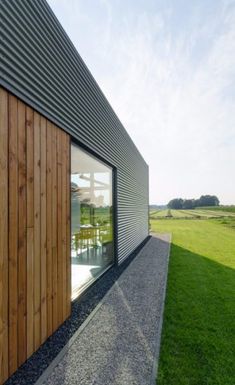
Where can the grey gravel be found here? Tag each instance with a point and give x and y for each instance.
(119, 344)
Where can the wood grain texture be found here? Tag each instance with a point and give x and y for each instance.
(3, 235)
(30, 229)
(35, 262)
(49, 227)
(43, 217)
(37, 232)
(54, 230)
(21, 234)
(64, 223)
(13, 234)
(68, 226)
(59, 226)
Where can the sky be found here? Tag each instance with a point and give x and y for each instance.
(168, 70)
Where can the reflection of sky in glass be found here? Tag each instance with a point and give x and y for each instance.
(103, 177)
(79, 181)
(103, 197)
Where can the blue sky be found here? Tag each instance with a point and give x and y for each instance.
(168, 70)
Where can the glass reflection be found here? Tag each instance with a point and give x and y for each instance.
(91, 218)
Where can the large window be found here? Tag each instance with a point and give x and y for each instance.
(91, 218)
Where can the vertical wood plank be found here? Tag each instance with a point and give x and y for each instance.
(64, 222)
(3, 235)
(13, 234)
(35, 260)
(49, 229)
(30, 229)
(68, 226)
(59, 226)
(54, 230)
(43, 234)
(22, 287)
(37, 232)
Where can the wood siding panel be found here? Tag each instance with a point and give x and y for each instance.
(22, 345)
(3, 235)
(30, 230)
(37, 233)
(54, 231)
(59, 226)
(49, 228)
(43, 218)
(35, 262)
(64, 223)
(68, 226)
(13, 234)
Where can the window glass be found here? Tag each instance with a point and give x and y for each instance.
(91, 218)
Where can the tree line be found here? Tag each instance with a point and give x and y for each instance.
(186, 204)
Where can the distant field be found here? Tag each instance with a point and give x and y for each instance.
(199, 213)
(230, 209)
(153, 212)
(159, 214)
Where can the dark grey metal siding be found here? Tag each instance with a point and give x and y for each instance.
(39, 64)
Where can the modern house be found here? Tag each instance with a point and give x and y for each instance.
(73, 186)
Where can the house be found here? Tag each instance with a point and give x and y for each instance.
(73, 186)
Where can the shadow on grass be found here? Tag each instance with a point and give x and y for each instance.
(197, 345)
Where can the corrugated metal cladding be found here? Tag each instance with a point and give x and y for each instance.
(40, 65)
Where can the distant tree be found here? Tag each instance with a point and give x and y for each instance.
(208, 200)
(189, 204)
(176, 204)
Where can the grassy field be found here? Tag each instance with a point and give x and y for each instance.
(198, 340)
(199, 213)
(229, 209)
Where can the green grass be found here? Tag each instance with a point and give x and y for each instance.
(207, 213)
(201, 213)
(228, 222)
(158, 214)
(218, 213)
(198, 339)
(181, 214)
(229, 209)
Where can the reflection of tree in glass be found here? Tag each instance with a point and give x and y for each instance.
(102, 214)
(85, 214)
(75, 207)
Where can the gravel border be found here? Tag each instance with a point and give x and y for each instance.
(34, 367)
(119, 343)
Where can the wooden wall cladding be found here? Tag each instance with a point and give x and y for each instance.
(35, 282)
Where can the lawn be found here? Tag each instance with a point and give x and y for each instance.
(229, 209)
(202, 213)
(159, 214)
(198, 339)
